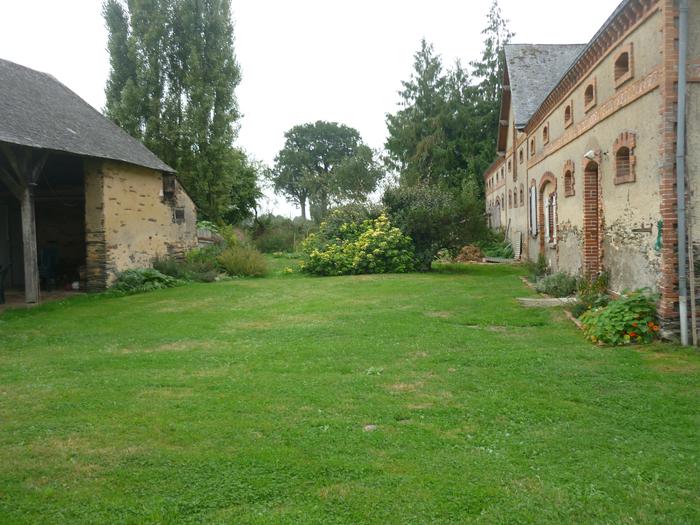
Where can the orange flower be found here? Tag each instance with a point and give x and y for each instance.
(633, 334)
(635, 324)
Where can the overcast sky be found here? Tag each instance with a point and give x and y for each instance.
(302, 60)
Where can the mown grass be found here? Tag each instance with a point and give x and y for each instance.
(247, 402)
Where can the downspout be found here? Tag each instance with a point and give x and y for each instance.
(680, 170)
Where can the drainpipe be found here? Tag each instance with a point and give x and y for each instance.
(680, 170)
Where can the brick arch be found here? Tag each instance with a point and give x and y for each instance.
(547, 178)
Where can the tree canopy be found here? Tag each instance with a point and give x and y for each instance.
(325, 163)
(444, 131)
(172, 85)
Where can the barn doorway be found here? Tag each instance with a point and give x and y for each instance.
(591, 220)
(59, 209)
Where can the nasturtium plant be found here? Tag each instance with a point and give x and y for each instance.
(627, 320)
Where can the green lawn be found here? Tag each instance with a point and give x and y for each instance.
(247, 401)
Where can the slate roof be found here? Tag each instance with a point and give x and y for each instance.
(534, 70)
(36, 110)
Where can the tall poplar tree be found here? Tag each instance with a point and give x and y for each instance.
(172, 84)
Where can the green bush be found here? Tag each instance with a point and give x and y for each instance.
(538, 269)
(374, 246)
(629, 319)
(142, 280)
(274, 233)
(243, 261)
(558, 284)
(187, 270)
(592, 293)
(435, 219)
(497, 246)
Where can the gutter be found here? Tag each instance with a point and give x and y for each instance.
(680, 170)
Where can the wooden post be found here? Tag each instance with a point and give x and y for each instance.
(25, 166)
(31, 260)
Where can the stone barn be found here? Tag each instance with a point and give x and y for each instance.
(80, 199)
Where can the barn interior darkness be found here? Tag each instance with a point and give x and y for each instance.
(60, 226)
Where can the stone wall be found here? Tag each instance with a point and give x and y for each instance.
(130, 221)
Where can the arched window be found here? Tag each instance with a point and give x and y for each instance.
(510, 199)
(589, 96)
(532, 147)
(510, 166)
(625, 160)
(520, 155)
(569, 114)
(545, 134)
(623, 65)
(522, 195)
(622, 163)
(569, 183)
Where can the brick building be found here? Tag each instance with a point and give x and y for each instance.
(80, 199)
(587, 146)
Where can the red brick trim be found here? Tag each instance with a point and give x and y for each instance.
(569, 179)
(592, 217)
(625, 174)
(622, 98)
(590, 95)
(623, 76)
(668, 282)
(634, 14)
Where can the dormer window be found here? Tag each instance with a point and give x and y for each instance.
(624, 65)
(569, 114)
(589, 96)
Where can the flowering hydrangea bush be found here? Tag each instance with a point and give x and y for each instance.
(373, 246)
(629, 319)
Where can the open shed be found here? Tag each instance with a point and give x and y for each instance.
(80, 199)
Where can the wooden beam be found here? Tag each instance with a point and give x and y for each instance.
(11, 183)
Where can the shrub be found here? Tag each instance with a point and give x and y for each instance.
(499, 247)
(274, 233)
(592, 293)
(539, 269)
(470, 253)
(243, 261)
(186, 270)
(559, 284)
(435, 219)
(142, 280)
(444, 256)
(629, 319)
(374, 246)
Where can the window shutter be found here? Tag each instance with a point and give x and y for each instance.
(533, 211)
